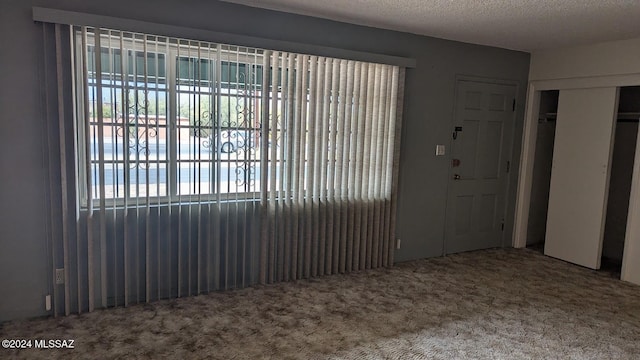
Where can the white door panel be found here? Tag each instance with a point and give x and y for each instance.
(580, 175)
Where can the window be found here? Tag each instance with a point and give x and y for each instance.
(248, 163)
(166, 118)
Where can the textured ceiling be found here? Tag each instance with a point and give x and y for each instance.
(513, 24)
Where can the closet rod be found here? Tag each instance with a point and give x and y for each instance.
(620, 116)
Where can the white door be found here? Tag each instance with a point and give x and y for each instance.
(580, 175)
(481, 150)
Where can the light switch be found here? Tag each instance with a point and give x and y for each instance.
(439, 150)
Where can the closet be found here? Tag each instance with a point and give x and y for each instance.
(542, 169)
(620, 180)
(587, 206)
(595, 119)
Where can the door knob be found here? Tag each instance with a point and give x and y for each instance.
(456, 177)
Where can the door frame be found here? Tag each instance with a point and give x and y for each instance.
(485, 80)
(630, 267)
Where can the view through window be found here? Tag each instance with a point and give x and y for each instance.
(169, 118)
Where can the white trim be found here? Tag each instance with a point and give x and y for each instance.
(631, 269)
(587, 82)
(527, 154)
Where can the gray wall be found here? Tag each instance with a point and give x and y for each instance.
(429, 98)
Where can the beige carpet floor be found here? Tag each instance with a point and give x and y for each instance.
(493, 304)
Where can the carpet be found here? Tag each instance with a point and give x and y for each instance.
(490, 304)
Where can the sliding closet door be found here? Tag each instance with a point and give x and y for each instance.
(580, 175)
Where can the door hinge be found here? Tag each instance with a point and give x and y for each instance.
(508, 166)
(502, 225)
(514, 105)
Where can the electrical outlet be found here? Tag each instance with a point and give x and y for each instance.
(59, 276)
(398, 243)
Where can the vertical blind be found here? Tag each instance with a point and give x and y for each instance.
(326, 199)
(186, 166)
